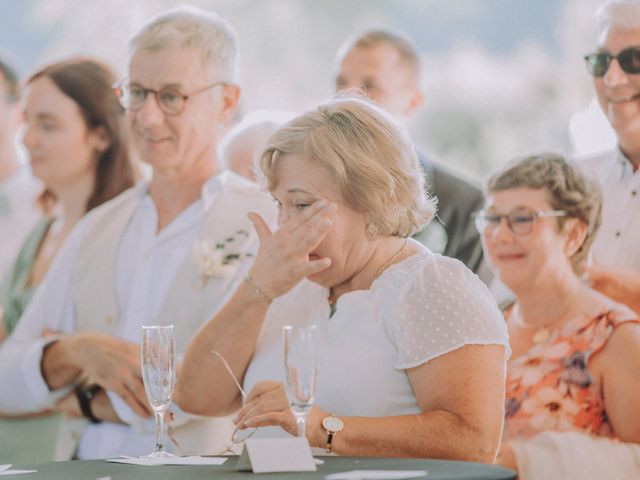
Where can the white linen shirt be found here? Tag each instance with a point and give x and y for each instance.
(147, 263)
(617, 241)
(420, 308)
(18, 214)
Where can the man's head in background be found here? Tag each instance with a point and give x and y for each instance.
(615, 67)
(243, 144)
(386, 67)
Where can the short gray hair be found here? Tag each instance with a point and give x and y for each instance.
(622, 13)
(191, 27)
(369, 154)
(567, 189)
(396, 40)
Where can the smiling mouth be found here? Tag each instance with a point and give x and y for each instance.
(628, 98)
(511, 256)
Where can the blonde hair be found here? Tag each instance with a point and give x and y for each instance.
(191, 27)
(567, 188)
(371, 157)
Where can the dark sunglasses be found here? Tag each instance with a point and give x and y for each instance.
(629, 60)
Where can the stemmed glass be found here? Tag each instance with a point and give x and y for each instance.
(159, 376)
(300, 363)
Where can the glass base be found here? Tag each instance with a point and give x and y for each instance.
(160, 454)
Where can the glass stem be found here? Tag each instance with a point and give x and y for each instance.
(159, 414)
(301, 424)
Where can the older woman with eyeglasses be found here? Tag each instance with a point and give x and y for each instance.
(576, 353)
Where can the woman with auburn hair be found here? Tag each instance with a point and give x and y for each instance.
(572, 382)
(75, 136)
(411, 346)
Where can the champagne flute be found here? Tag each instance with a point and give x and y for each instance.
(159, 376)
(300, 365)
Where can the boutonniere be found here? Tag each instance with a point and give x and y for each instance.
(218, 259)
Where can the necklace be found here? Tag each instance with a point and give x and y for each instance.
(392, 260)
(541, 333)
(332, 303)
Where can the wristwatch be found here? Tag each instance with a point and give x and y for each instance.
(332, 425)
(84, 396)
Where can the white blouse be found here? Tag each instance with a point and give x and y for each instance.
(418, 309)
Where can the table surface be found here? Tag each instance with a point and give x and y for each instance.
(94, 469)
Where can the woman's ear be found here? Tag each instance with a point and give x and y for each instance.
(575, 231)
(100, 139)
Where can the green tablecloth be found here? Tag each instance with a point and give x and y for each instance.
(93, 469)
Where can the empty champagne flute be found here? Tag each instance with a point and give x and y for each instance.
(300, 363)
(159, 376)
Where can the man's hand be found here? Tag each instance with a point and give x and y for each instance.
(619, 284)
(90, 358)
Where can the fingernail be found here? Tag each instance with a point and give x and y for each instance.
(248, 423)
(332, 207)
(327, 223)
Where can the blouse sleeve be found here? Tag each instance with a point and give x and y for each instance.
(445, 307)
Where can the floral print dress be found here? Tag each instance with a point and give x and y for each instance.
(550, 387)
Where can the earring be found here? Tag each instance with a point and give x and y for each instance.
(371, 230)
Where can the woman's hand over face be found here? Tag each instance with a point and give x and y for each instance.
(283, 257)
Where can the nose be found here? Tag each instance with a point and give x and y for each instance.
(282, 216)
(500, 232)
(150, 114)
(29, 137)
(615, 76)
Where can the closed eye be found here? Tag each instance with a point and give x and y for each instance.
(521, 219)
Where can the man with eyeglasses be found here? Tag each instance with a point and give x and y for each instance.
(165, 252)
(615, 67)
(386, 67)
(18, 188)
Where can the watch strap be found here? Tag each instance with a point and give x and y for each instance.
(85, 395)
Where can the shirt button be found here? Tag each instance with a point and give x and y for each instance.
(618, 233)
(634, 192)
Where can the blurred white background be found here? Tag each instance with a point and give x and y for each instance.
(502, 78)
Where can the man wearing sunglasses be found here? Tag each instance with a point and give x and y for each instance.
(615, 67)
(167, 251)
(386, 67)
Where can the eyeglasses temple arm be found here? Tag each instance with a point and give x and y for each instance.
(226, 365)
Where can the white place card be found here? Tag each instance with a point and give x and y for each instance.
(151, 462)
(268, 455)
(377, 475)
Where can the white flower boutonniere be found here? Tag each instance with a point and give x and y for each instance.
(218, 259)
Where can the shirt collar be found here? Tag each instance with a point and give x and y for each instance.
(626, 168)
(226, 181)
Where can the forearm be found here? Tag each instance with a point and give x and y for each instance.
(433, 434)
(232, 333)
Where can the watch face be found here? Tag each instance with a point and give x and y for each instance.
(332, 424)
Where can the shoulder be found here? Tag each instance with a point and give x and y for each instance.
(591, 164)
(130, 196)
(435, 304)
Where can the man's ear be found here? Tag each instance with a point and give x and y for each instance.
(416, 100)
(230, 98)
